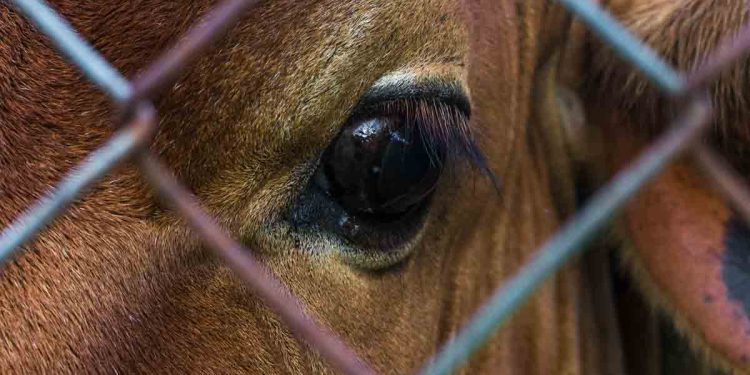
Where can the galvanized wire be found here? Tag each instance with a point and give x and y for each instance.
(642, 57)
(272, 291)
(130, 97)
(122, 144)
(569, 241)
(574, 235)
(76, 49)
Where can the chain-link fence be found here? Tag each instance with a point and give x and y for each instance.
(137, 118)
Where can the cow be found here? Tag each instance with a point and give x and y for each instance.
(391, 161)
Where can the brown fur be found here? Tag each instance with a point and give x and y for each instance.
(674, 230)
(117, 284)
(684, 33)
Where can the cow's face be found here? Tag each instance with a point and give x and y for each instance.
(333, 139)
(689, 249)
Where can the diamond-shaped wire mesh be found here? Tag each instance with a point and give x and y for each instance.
(139, 119)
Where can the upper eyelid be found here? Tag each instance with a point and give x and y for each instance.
(401, 86)
(441, 90)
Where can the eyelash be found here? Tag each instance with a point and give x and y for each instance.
(444, 128)
(373, 239)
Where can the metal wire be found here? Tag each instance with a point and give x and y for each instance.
(198, 39)
(163, 72)
(725, 178)
(95, 166)
(239, 259)
(569, 241)
(626, 45)
(77, 50)
(732, 49)
(573, 236)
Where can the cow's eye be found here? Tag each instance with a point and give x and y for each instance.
(375, 183)
(380, 168)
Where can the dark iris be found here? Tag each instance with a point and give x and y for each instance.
(379, 167)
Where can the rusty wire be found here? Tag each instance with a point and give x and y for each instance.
(570, 240)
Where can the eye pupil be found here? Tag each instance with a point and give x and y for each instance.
(380, 167)
(409, 174)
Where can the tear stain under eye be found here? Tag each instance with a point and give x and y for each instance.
(735, 270)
